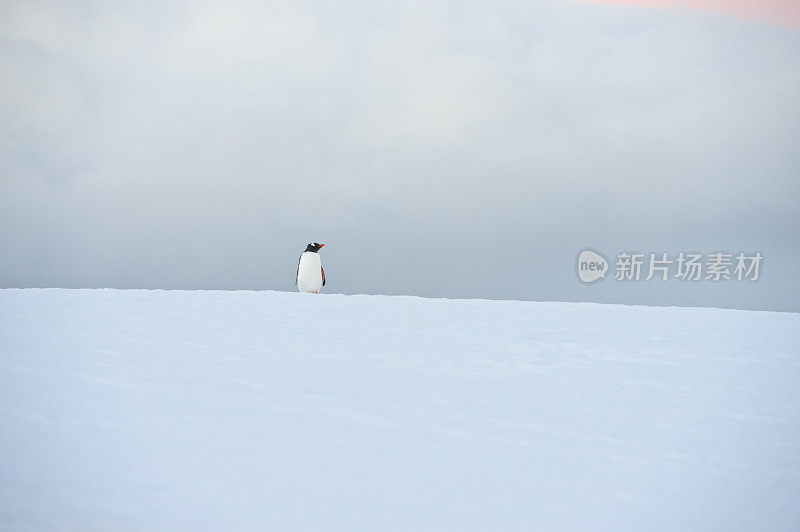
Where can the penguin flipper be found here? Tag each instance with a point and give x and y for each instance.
(297, 275)
(323, 275)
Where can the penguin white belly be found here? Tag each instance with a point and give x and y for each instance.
(309, 272)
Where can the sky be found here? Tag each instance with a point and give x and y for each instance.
(779, 12)
(440, 149)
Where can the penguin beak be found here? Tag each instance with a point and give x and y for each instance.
(321, 245)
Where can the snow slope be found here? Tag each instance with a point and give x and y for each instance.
(134, 410)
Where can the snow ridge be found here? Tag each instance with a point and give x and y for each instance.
(271, 410)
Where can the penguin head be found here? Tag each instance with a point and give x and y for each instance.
(314, 247)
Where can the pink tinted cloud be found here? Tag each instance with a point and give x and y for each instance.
(779, 12)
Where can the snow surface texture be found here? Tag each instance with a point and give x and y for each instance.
(141, 410)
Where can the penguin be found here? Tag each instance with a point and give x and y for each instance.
(310, 275)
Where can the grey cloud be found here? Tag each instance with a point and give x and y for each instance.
(442, 149)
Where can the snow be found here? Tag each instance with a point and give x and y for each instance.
(134, 410)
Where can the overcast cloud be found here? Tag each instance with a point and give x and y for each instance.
(462, 149)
